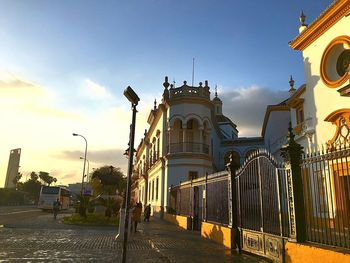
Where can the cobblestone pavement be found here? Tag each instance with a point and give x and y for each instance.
(45, 240)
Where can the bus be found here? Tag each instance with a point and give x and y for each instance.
(49, 194)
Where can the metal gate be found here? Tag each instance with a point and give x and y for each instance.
(264, 205)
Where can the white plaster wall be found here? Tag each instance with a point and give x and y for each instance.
(276, 128)
(321, 100)
(228, 130)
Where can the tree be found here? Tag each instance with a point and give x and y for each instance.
(16, 181)
(32, 187)
(107, 180)
(44, 176)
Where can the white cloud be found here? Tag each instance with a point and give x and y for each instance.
(246, 107)
(95, 91)
(34, 121)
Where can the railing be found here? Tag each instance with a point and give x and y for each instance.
(203, 199)
(326, 186)
(188, 147)
(189, 92)
(304, 128)
(263, 196)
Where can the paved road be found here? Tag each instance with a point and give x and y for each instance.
(40, 238)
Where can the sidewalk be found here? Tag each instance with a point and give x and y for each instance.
(170, 243)
(46, 240)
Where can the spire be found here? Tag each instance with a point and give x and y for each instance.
(166, 83)
(166, 91)
(303, 25)
(302, 18)
(291, 84)
(216, 91)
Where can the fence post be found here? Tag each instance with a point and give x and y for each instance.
(292, 156)
(235, 235)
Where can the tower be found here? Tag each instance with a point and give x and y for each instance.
(12, 168)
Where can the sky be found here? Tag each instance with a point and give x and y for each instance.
(64, 65)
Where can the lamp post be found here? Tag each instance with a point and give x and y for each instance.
(82, 180)
(88, 167)
(130, 94)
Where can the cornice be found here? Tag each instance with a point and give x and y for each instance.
(298, 92)
(187, 156)
(191, 100)
(336, 11)
(242, 141)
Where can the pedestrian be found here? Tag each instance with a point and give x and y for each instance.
(147, 213)
(56, 207)
(136, 215)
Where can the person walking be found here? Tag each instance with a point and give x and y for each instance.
(136, 215)
(147, 213)
(56, 207)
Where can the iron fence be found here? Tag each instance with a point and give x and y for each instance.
(203, 199)
(262, 189)
(326, 187)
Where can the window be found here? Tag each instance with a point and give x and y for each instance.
(152, 190)
(300, 114)
(149, 191)
(157, 181)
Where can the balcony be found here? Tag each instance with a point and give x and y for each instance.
(188, 147)
(305, 128)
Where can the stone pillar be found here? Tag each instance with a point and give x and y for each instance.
(184, 128)
(169, 140)
(201, 139)
(292, 157)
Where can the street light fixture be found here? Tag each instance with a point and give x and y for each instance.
(82, 180)
(130, 94)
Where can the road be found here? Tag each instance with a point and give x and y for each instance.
(15, 214)
(30, 235)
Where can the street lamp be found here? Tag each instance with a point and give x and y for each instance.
(130, 94)
(88, 167)
(82, 180)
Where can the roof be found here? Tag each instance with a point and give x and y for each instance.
(336, 11)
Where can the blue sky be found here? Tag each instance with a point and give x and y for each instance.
(64, 64)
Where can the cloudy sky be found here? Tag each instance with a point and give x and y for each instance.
(64, 66)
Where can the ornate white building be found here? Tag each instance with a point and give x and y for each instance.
(188, 137)
(320, 110)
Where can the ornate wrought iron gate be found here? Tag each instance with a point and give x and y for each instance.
(264, 205)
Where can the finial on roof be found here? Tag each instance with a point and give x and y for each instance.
(291, 84)
(302, 18)
(185, 82)
(206, 83)
(216, 91)
(200, 84)
(145, 132)
(166, 83)
(155, 104)
(303, 25)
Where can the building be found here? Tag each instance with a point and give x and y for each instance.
(188, 137)
(320, 109)
(12, 167)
